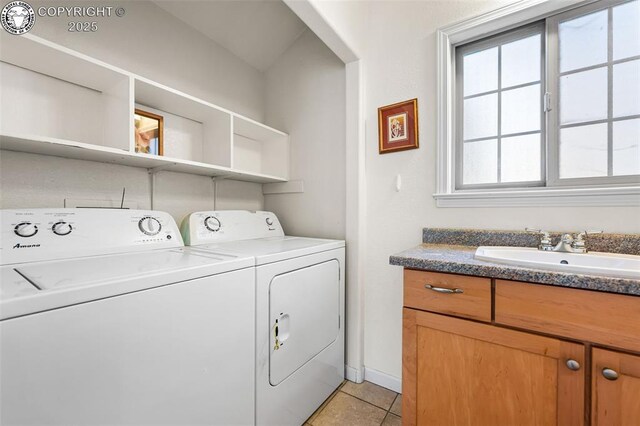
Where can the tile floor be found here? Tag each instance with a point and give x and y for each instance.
(362, 404)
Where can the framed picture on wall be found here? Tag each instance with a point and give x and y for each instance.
(148, 132)
(398, 126)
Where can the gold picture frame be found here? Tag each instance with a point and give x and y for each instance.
(148, 133)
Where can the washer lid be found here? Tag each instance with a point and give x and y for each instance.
(67, 282)
(90, 271)
(273, 249)
(12, 284)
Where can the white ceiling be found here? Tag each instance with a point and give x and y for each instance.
(257, 31)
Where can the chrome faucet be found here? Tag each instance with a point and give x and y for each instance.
(565, 245)
(545, 239)
(568, 243)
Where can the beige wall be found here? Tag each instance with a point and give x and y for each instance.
(397, 47)
(305, 96)
(35, 181)
(150, 42)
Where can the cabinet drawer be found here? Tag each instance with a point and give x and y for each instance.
(604, 318)
(472, 298)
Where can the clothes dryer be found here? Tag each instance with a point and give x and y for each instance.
(299, 308)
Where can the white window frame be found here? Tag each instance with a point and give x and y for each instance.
(506, 37)
(503, 19)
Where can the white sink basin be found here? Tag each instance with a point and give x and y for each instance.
(594, 263)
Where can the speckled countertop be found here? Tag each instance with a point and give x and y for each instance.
(459, 259)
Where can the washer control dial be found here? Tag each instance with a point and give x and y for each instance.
(25, 229)
(149, 225)
(212, 223)
(269, 221)
(62, 228)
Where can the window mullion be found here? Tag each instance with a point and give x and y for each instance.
(609, 92)
(552, 117)
(499, 139)
(543, 104)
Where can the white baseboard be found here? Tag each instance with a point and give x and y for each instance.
(353, 374)
(383, 379)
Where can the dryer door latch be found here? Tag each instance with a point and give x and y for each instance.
(280, 331)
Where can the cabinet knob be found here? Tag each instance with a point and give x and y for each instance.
(609, 374)
(572, 364)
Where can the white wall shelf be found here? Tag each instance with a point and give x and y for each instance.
(54, 92)
(82, 108)
(88, 152)
(258, 148)
(203, 130)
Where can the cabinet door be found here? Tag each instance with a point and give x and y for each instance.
(615, 388)
(459, 372)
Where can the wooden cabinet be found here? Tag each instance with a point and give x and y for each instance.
(615, 388)
(473, 297)
(589, 316)
(464, 366)
(468, 373)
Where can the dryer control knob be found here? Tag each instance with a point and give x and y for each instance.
(62, 228)
(149, 225)
(25, 229)
(269, 221)
(212, 223)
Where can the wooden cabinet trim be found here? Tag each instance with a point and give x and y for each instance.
(602, 318)
(530, 342)
(409, 367)
(474, 302)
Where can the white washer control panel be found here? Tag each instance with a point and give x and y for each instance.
(62, 228)
(149, 225)
(229, 225)
(212, 223)
(47, 234)
(26, 229)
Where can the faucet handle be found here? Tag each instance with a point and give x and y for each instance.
(581, 235)
(579, 242)
(545, 238)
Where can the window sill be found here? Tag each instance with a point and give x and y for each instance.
(536, 197)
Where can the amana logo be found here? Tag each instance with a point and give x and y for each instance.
(17, 17)
(25, 245)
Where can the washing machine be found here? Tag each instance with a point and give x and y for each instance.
(105, 318)
(299, 308)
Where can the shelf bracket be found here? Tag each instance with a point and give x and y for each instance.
(214, 181)
(154, 170)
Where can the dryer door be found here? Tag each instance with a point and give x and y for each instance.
(304, 307)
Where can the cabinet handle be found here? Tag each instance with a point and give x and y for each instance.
(609, 374)
(572, 364)
(444, 290)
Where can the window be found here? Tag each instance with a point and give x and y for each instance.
(500, 93)
(553, 104)
(596, 132)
